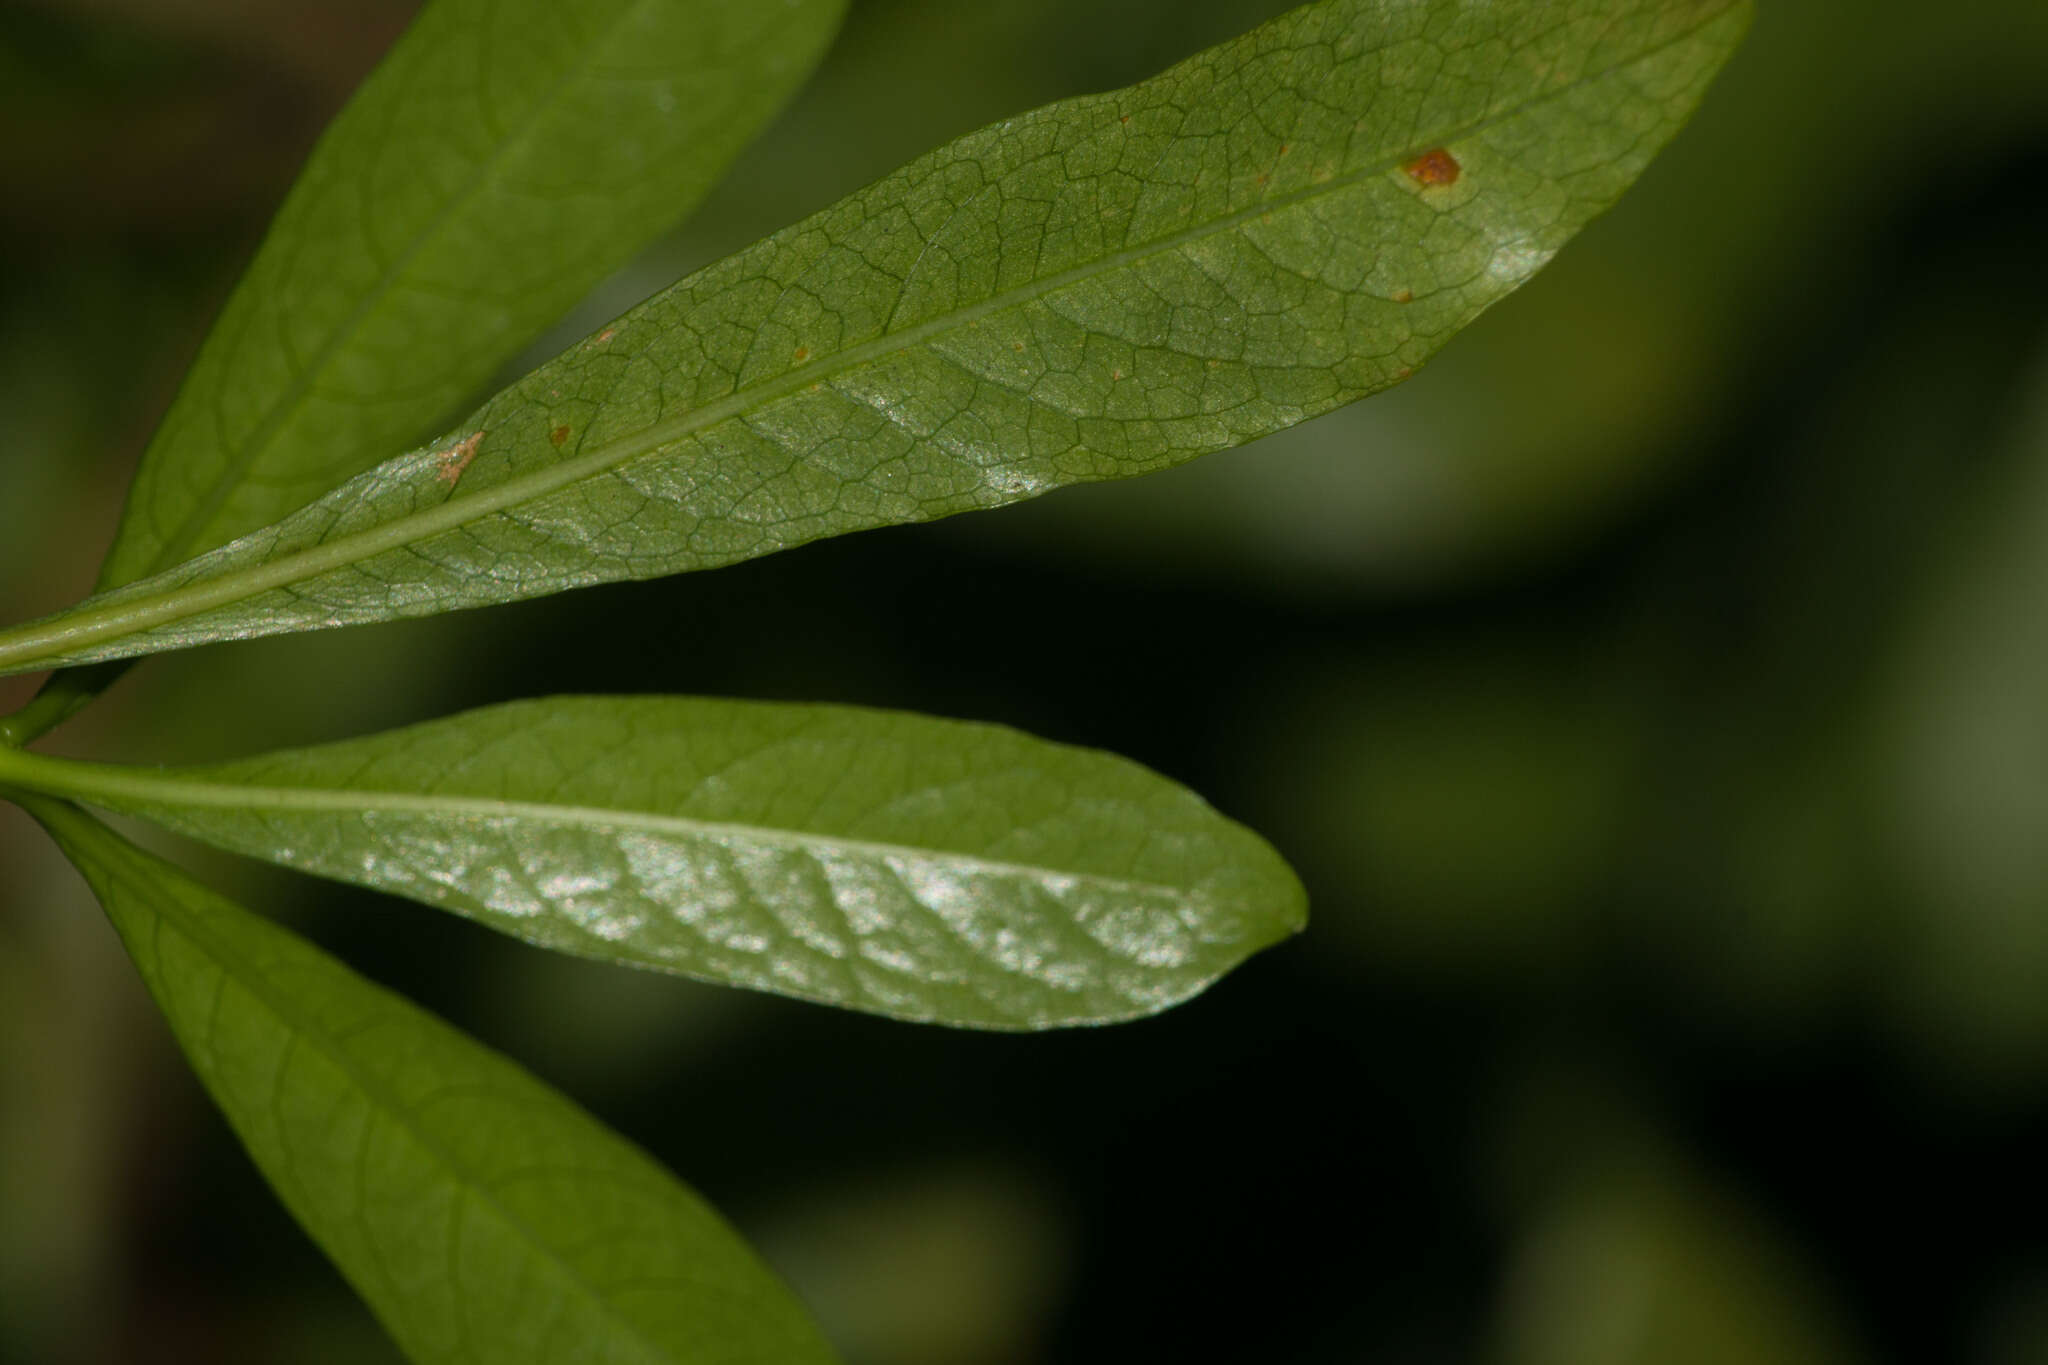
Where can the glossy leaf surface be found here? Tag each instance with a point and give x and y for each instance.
(1100, 288)
(482, 1216)
(504, 157)
(920, 868)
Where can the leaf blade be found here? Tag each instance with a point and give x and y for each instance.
(1274, 253)
(924, 869)
(479, 1213)
(433, 233)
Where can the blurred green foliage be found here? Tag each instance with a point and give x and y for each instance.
(1653, 694)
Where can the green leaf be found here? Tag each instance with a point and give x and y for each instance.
(1104, 287)
(920, 868)
(482, 1215)
(505, 157)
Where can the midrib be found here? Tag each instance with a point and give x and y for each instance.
(118, 788)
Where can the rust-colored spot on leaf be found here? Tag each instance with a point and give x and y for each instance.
(803, 353)
(606, 335)
(1403, 296)
(1434, 167)
(456, 458)
(1285, 147)
(1016, 345)
(558, 435)
(1125, 119)
(1263, 179)
(1403, 372)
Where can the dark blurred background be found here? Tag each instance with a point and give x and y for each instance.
(1653, 694)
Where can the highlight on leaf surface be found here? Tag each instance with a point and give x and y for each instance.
(925, 869)
(1100, 288)
(481, 1215)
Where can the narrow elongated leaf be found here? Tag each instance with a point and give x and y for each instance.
(1103, 287)
(482, 1216)
(505, 156)
(920, 868)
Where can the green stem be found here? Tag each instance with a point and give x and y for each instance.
(64, 695)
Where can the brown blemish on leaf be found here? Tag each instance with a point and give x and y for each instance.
(558, 435)
(1403, 372)
(606, 335)
(1403, 296)
(1434, 167)
(1016, 345)
(1125, 119)
(803, 353)
(456, 458)
(1284, 148)
(1263, 181)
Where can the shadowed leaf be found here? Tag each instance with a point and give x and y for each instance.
(481, 1215)
(503, 158)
